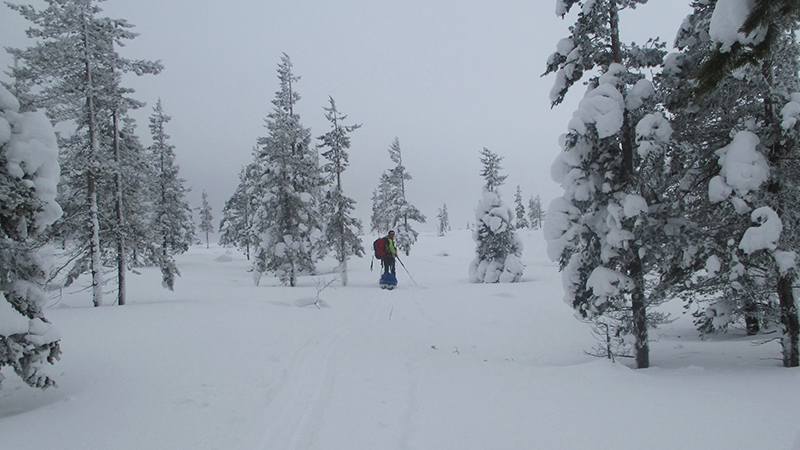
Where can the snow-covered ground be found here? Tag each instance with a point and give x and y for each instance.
(440, 364)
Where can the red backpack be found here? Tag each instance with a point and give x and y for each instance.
(380, 248)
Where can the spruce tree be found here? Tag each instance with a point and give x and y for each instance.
(205, 217)
(341, 230)
(126, 191)
(172, 223)
(521, 219)
(742, 174)
(237, 216)
(444, 220)
(599, 229)
(29, 174)
(535, 212)
(380, 221)
(287, 219)
(491, 170)
(390, 209)
(499, 249)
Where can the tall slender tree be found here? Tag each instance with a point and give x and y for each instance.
(341, 229)
(135, 169)
(535, 212)
(491, 170)
(390, 209)
(444, 220)
(205, 217)
(287, 219)
(172, 218)
(519, 208)
(235, 227)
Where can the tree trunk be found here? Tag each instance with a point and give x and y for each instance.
(94, 219)
(94, 246)
(342, 242)
(639, 310)
(788, 306)
(343, 271)
(789, 319)
(751, 323)
(119, 216)
(635, 269)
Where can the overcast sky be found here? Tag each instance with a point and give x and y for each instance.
(446, 77)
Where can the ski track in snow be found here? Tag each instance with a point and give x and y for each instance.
(308, 382)
(296, 411)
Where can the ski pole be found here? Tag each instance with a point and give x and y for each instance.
(404, 268)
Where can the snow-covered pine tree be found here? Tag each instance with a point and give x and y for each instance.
(75, 72)
(390, 209)
(535, 212)
(499, 249)
(341, 230)
(599, 229)
(123, 198)
(29, 175)
(521, 219)
(172, 223)
(136, 171)
(287, 219)
(379, 220)
(491, 170)
(205, 217)
(775, 63)
(124, 189)
(444, 220)
(702, 126)
(237, 215)
(742, 170)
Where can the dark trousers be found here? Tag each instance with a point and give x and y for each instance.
(388, 265)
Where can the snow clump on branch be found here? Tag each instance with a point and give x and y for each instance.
(744, 169)
(726, 20)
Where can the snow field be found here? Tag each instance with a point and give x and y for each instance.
(223, 364)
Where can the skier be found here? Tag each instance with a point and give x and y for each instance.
(391, 253)
(387, 253)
